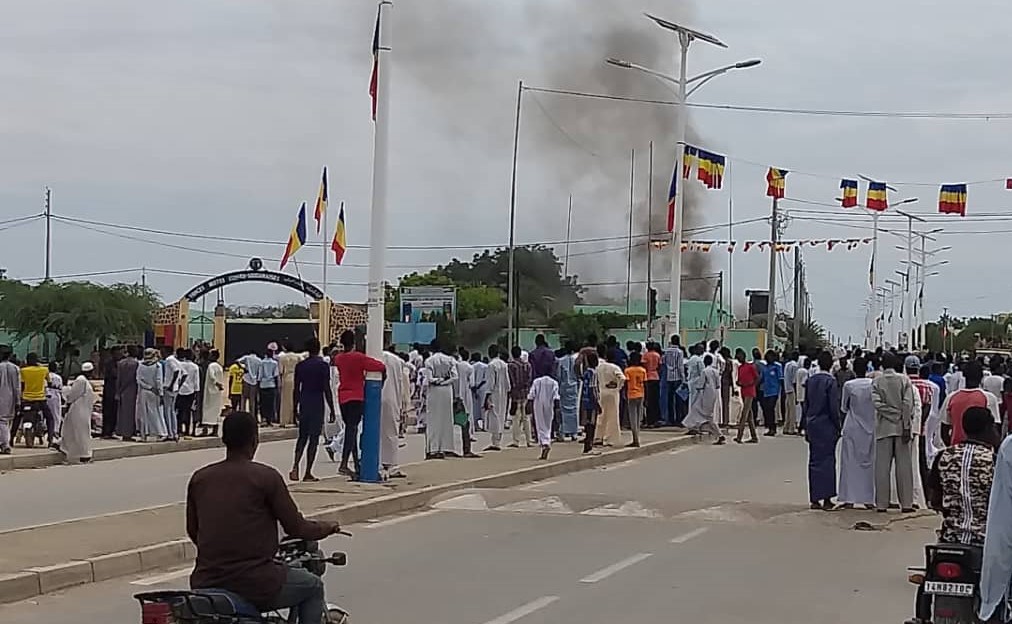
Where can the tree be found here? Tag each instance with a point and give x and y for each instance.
(77, 313)
(577, 326)
(810, 335)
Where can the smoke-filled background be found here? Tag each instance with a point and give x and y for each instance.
(568, 145)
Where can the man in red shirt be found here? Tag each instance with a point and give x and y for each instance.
(956, 403)
(352, 367)
(748, 379)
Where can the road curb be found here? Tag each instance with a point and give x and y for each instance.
(37, 581)
(139, 449)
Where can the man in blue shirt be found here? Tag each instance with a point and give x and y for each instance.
(268, 375)
(674, 362)
(772, 379)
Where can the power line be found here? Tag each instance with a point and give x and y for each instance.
(780, 110)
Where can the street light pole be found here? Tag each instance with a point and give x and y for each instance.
(685, 37)
(511, 278)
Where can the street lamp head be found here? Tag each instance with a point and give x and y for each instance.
(618, 62)
(747, 64)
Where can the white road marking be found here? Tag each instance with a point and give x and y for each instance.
(537, 484)
(161, 578)
(549, 504)
(524, 610)
(604, 573)
(466, 502)
(400, 519)
(628, 509)
(679, 451)
(681, 539)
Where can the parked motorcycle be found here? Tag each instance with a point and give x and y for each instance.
(32, 425)
(215, 606)
(950, 581)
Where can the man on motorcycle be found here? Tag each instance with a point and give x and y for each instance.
(233, 509)
(959, 488)
(34, 378)
(996, 570)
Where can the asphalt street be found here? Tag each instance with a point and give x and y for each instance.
(61, 493)
(708, 534)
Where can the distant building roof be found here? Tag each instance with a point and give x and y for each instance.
(694, 314)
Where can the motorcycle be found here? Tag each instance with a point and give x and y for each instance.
(31, 426)
(950, 581)
(216, 606)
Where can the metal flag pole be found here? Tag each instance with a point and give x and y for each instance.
(650, 237)
(369, 471)
(628, 268)
(511, 299)
(569, 232)
(772, 307)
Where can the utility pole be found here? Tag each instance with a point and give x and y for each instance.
(632, 204)
(771, 319)
(797, 295)
(144, 277)
(650, 237)
(49, 233)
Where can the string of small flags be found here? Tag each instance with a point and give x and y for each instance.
(710, 171)
(831, 244)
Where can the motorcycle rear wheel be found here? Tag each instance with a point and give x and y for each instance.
(336, 615)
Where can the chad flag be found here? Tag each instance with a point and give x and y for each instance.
(776, 183)
(952, 199)
(322, 197)
(688, 158)
(849, 190)
(877, 198)
(297, 238)
(711, 169)
(340, 243)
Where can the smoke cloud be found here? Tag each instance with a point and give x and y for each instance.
(457, 52)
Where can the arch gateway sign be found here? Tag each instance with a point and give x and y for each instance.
(253, 275)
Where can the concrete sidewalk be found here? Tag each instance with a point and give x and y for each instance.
(46, 558)
(41, 457)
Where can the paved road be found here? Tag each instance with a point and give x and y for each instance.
(707, 535)
(62, 493)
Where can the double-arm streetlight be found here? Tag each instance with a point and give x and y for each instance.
(685, 37)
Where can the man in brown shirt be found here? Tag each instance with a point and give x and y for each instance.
(233, 509)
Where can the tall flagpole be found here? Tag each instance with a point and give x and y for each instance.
(511, 298)
(632, 199)
(381, 140)
(323, 239)
(569, 232)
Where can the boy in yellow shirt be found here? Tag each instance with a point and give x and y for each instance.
(33, 391)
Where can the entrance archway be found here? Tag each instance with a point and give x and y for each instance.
(171, 323)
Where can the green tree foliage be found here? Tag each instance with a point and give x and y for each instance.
(77, 313)
(966, 334)
(577, 326)
(810, 336)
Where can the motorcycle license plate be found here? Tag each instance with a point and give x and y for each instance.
(948, 589)
(26, 425)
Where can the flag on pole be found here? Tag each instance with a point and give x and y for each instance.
(1008, 183)
(340, 244)
(871, 271)
(952, 199)
(849, 190)
(688, 159)
(877, 199)
(711, 169)
(321, 201)
(297, 237)
(671, 199)
(776, 182)
(374, 81)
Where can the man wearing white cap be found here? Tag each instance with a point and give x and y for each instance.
(75, 442)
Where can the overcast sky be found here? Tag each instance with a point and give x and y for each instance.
(215, 117)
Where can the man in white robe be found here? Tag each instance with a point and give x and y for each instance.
(75, 442)
(214, 394)
(857, 441)
(704, 399)
(393, 408)
(465, 376)
(479, 388)
(10, 398)
(544, 402)
(440, 376)
(496, 397)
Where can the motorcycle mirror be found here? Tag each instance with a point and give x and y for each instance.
(339, 558)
